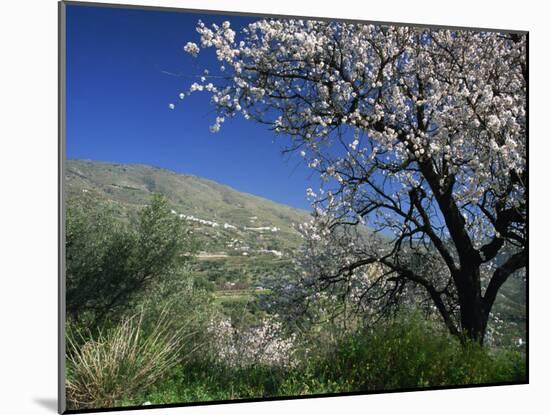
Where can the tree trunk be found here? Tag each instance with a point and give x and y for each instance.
(473, 320)
(473, 315)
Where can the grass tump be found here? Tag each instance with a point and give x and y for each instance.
(119, 364)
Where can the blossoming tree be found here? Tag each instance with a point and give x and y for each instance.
(418, 133)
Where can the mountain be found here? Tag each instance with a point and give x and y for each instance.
(240, 235)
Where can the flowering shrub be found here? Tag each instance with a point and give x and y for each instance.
(260, 345)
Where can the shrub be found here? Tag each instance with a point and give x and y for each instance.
(410, 352)
(119, 364)
(263, 344)
(110, 263)
(186, 309)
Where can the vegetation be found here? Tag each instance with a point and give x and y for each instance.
(121, 363)
(216, 328)
(109, 262)
(405, 353)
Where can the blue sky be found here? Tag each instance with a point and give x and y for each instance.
(118, 95)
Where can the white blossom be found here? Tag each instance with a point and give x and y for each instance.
(191, 48)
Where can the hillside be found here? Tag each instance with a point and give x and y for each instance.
(241, 236)
(219, 211)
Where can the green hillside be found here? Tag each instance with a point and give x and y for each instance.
(220, 211)
(241, 237)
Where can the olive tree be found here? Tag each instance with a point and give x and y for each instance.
(110, 262)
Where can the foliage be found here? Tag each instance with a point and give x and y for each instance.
(110, 262)
(408, 352)
(190, 345)
(120, 363)
(185, 308)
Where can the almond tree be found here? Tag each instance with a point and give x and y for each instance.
(417, 133)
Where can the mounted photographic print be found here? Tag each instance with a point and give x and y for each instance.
(270, 207)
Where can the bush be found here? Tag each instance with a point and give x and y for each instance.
(110, 263)
(185, 308)
(408, 352)
(261, 345)
(120, 364)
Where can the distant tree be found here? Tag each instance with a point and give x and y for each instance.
(418, 133)
(110, 262)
